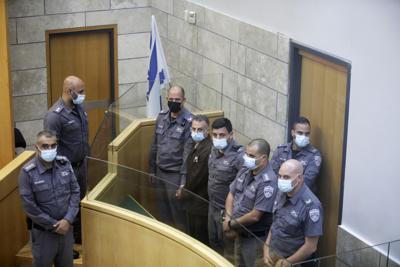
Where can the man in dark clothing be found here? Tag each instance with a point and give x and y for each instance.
(194, 192)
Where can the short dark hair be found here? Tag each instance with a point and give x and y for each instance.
(301, 120)
(201, 118)
(221, 123)
(262, 145)
(176, 85)
(46, 133)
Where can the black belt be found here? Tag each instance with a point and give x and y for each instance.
(38, 227)
(77, 164)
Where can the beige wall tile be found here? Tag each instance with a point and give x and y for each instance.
(70, 6)
(32, 29)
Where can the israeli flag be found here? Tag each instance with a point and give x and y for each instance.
(158, 74)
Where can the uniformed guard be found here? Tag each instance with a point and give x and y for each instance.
(226, 159)
(69, 121)
(249, 204)
(194, 192)
(50, 195)
(297, 221)
(172, 130)
(300, 149)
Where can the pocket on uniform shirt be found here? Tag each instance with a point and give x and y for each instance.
(42, 192)
(292, 224)
(248, 200)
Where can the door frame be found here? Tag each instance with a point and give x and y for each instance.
(112, 29)
(294, 98)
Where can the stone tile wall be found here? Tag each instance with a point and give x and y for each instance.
(28, 21)
(223, 63)
(227, 64)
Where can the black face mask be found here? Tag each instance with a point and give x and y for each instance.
(174, 107)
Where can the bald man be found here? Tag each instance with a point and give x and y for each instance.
(69, 121)
(297, 221)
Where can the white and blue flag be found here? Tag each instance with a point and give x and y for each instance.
(158, 74)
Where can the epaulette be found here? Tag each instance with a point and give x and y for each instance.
(164, 111)
(58, 109)
(282, 146)
(238, 148)
(62, 159)
(29, 167)
(307, 200)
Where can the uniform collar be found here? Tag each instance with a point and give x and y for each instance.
(65, 107)
(181, 117)
(307, 147)
(40, 166)
(266, 174)
(226, 149)
(298, 195)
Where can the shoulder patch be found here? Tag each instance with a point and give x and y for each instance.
(268, 191)
(314, 215)
(29, 167)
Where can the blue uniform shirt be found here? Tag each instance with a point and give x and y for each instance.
(71, 127)
(49, 195)
(295, 218)
(254, 193)
(222, 170)
(170, 136)
(309, 157)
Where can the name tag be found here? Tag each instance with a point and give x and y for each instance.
(39, 182)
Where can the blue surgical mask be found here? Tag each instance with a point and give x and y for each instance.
(301, 140)
(285, 185)
(48, 155)
(249, 163)
(198, 137)
(79, 99)
(220, 143)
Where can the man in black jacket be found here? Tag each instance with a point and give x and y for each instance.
(194, 191)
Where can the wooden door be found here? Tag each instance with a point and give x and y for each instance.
(89, 53)
(323, 100)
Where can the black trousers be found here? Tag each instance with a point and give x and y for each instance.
(197, 226)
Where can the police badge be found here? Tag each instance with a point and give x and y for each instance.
(314, 215)
(268, 191)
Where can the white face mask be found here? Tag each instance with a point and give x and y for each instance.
(301, 140)
(48, 155)
(79, 99)
(198, 137)
(220, 143)
(286, 185)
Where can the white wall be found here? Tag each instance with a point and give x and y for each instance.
(366, 33)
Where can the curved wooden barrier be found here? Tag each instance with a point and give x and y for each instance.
(13, 231)
(117, 237)
(113, 236)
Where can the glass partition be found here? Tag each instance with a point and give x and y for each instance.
(139, 192)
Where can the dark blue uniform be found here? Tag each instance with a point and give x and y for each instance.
(295, 218)
(222, 170)
(309, 157)
(49, 195)
(253, 193)
(166, 161)
(71, 128)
